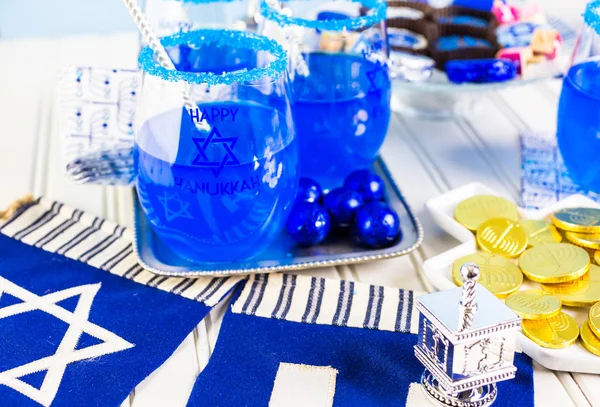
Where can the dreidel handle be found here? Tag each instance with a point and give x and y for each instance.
(468, 302)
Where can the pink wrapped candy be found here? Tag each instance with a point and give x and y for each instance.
(520, 56)
(546, 42)
(504, 13)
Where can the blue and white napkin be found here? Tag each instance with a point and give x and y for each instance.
(81, 323)
(544, 178)
(97, 119)
(292, 340)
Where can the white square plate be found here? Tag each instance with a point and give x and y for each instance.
(575, 358)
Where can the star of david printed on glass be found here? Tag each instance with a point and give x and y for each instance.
(214, 148)
(466, 342)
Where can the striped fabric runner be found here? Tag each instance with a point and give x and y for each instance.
(313, 300)
(57, 228)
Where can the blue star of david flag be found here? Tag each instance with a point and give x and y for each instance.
(81, 323)
(290, 341)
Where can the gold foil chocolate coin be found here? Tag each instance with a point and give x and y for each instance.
(474, 211)
(582, 292)
(534, 304)
(584, 220)
(502, 237)
(540, 232)
(556, 332)
(554, 263)
(597, 257)
(589, 339)
(587, 240)
(500, 276)
(594, 319)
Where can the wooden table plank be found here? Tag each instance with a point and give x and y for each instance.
(549, 391)
(418, 180)
(536, 109)
(21, 113)
(172, 383)
(497, 143)
(590, 385)
(451, 152)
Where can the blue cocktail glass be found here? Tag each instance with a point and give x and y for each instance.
(579, 108)
(214, 148)
(341, 86)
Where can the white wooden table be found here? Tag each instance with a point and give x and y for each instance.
(426, 157)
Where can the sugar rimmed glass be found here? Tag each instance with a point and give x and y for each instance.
(340, 81)
(214, 148)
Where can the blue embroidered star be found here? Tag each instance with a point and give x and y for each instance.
(371, 75)
(172, 214)
(214, 137)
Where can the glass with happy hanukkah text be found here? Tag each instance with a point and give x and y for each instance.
(216, 159)
(578, 130)
(340, 83)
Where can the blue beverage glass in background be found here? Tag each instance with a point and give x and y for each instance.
(578, 128)
(173, 16)
(341, 88)
(216, 181)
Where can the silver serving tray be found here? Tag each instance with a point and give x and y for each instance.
(156, 257)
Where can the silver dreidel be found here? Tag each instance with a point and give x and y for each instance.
(466, 342)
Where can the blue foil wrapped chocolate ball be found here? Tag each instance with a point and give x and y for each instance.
(308, 223)
(308, 190)
(376, 225)
(481, 70)
(342, 203)
(370, 186)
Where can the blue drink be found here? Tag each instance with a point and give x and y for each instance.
(342, 112)
(579, 124)
(221, 194)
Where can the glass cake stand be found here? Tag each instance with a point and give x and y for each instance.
(438, 98)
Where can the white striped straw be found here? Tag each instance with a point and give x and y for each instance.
(160, 52)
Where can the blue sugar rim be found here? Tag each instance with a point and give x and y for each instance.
(591, 16)
(239, 39)
(379, 8)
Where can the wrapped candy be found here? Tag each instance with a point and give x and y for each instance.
(376, 225)
(504, 13)
(369, 185)
(342, 204)
(521, 56)
(516, 35)
(546, 42)
(480, 70)
(308, 224)
(409, 67)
